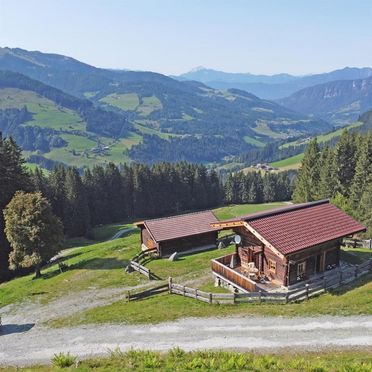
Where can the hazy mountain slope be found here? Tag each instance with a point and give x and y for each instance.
(339, 102)
(274, 86)
(51, 125)
(157, 102)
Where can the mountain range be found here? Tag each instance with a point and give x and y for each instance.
(82, 115)
(271, 86)
(338, 102)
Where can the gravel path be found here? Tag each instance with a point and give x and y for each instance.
(27, 344)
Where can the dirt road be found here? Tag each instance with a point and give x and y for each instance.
(29, 344)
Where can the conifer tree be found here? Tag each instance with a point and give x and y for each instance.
(363, 170)
(76, 211)
(327, 176)
(344, 161)
(307, 184)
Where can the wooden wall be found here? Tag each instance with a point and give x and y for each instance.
(328, 253)
(168, 247)
(146, 239)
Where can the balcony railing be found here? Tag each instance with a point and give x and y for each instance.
(219, 266)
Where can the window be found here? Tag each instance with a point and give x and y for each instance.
(272, 266)
(301, 268)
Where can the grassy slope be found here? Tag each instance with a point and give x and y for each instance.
(292, 162)
(179, 360)
(100, 265)
(47, 114)
(325, 137)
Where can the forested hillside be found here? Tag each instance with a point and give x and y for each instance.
(157, 105)
(342, 173)
(338, 102)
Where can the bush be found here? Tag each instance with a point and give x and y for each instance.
(63, 360)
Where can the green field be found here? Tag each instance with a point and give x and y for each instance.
(46, 113)
(253, 141)
(179, 360)
(292, 162)
(323, 137)
(148, 105)
(126, 102)
(263, 128)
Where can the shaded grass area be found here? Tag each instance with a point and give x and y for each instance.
(179, 360)
(355, 256)
(352, 299)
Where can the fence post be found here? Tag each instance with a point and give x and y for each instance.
(196, 294)
(128, 296)
(259, 295)
(170, 285)
(184, 291)
(325, 283)
(286, 297)
(307, 291)
(210, 298)
(234, 297)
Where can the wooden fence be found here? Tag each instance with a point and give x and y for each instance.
(330, 281)
(134, 296)
(134, 264)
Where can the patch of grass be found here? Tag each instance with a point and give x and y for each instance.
(253, 141)
(106, 232)
(292, 162)
(92, 266)
(148, 105)
(263, 128)
(355, 256)
(352, 299)
(124, 101)
(62, 360)
(236, 210)
(46, 113)
(323, 137)
(205, 360)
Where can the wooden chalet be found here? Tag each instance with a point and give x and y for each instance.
(183, 233)
(284, 246)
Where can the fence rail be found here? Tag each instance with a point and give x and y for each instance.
(329, 281)
(219, 267)
(134, 296)
(134, 264)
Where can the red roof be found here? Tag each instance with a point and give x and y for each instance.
(181, 226)
(293, 228)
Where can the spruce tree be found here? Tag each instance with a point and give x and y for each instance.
(76, 211)
(345, 161)
(363, 170)
(328, 179)
(307, 183)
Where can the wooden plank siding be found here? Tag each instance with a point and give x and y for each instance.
(166, 248)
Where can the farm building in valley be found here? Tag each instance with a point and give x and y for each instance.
(183, 233)
(284, 246)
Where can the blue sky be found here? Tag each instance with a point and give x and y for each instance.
(173, 36)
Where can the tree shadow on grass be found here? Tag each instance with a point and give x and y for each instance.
(108, 263)
(8, 329)
(365, 279)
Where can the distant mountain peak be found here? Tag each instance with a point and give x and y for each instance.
(198, 68)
